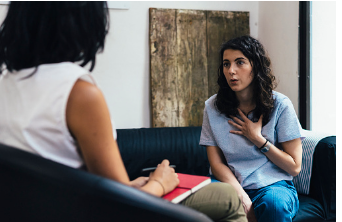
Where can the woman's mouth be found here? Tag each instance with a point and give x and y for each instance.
(233, 81)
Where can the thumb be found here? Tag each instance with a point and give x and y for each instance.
(165, 162)
(260, 119)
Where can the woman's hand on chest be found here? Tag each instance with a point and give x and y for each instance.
(245, 127)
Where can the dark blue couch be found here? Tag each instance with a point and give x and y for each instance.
(148, 146)
(36, 189)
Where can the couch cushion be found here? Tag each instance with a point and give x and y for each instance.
(323, 179)
(310, 210)
(302, 180)
(147, 147)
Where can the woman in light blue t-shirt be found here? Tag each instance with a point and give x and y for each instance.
(252, 133)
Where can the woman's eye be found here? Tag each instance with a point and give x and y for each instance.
(225, 64)
(240, 62)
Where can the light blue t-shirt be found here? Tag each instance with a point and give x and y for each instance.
(251, 167)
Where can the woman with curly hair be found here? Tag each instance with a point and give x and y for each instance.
(252, 133)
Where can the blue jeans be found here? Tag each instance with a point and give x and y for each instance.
(277, 202)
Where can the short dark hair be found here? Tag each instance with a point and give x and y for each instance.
(42, 32)
(264, 80)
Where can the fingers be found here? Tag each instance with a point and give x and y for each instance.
(236, 132)
(234, 124)
(243, 116)
(165, 162)
(166, 176)
(237, 120)
(260, 119)
(237, 124)
(139, 182)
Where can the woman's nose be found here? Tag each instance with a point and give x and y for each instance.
(231, 70)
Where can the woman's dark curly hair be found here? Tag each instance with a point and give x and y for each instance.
(35, 33)
(264, 80)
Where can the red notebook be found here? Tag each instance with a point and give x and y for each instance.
(188, 184)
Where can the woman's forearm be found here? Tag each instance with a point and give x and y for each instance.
(224, 174)
(220, 169)
(284, 160)
(290, 159)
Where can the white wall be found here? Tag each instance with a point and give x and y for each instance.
(278, 32)
(323, 96)
(122, 71)
(3, 11)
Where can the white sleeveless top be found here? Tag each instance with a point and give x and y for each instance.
(33, 111)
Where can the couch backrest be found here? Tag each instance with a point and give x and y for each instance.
(33, 188)
(323, 179)
(309, 144)
(146, 147)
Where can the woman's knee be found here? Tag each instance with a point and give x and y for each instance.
(219, 201)
(226, 192)
(275, 203)
(229, 202)
(228, 198)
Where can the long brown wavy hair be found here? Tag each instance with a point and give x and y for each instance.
(264, 80)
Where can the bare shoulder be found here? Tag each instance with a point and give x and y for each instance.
(84, 93)
(86, 109)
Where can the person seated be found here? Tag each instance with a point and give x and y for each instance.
(50, 105)
(252, 133)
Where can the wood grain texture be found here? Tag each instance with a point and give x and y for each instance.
(163, 46)
(184, 59)
(191, 66)
(222, 26)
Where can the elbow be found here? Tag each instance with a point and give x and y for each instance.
(213, 169)
(296, 171)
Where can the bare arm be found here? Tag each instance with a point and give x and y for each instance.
(220, 169)
(89, 122)
(222, 172)
(289, 160)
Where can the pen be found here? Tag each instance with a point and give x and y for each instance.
(151, 169)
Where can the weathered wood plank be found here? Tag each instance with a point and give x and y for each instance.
(192, 66)
(163, 65)
(222, 26)
(242, 23)
(184, 60)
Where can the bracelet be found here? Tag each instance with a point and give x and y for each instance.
(160, 185)
(264, 144)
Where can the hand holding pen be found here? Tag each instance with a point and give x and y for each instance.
(165, 175)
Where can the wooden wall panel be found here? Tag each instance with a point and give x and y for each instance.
(222, 26)
(191, 66)
(184, 60)
(163, 46)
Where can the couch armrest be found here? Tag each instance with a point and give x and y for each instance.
(323, 178)
(33, 188)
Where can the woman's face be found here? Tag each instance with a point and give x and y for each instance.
(238, 71)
